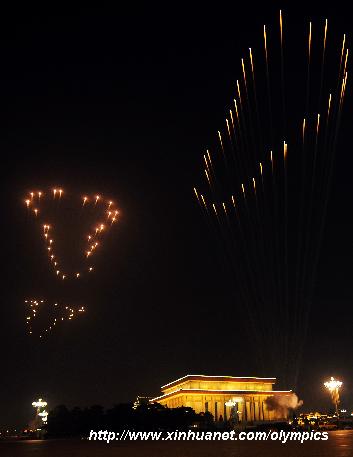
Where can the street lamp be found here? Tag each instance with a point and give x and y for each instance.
(233, 404)
(334, 386)
(40, 410)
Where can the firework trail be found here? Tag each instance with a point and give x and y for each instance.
(265, 191)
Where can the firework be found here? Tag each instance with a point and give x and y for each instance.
(50, 205)
(42, 317)
(274, 168)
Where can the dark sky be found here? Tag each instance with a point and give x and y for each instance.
(124, 102)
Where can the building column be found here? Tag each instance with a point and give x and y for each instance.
(241, 409)
(256, 410)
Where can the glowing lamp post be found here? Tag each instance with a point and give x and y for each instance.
(40, 410)
(334, 386)
(233, 403)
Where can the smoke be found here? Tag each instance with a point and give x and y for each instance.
(283, 403)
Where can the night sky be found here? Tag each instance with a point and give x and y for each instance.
(124, 102)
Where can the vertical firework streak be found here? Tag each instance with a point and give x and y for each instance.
(271, 229)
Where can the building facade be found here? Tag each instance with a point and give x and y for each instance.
(225, 397)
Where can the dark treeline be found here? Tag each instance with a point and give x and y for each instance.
(63, 422)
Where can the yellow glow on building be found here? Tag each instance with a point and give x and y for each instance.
(220, 395)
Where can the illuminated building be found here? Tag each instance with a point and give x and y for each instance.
(141, 401)
(225, 397)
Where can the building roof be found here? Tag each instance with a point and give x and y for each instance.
(202, 377)
(221, 391)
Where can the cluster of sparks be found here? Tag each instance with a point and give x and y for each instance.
(250, 202)
(59, 314)
(47, 209)
(92, 241)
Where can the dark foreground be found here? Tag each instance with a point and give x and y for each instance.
(339, 444)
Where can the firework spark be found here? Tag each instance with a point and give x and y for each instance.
(103, 209)
(275, 263)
